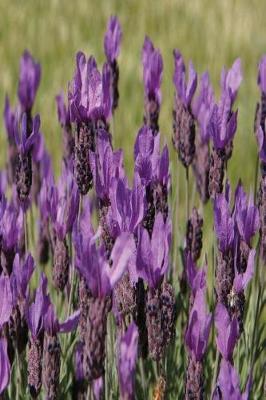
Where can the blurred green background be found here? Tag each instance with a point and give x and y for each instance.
(211, 33)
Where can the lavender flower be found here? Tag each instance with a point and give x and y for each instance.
(7, 300)
(196, 338)
(24, 165)
(152, 77)
(222, 127)
(4, 365)
(64, 120)
(227, 330)
(29, 80)
(80, 386)
(228, 385)
(112, 41)
(127, 358)
(194, 234)
(184, 122)
(10, 125)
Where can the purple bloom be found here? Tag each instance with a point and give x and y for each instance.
(153, 253)
(25, 142)
(202, 106)
(106, 164)
(241, 280)
(4, 365)
(29, 80)
(10, 120)
(227, 332)
(199, 325)
(228, 385)
(127, 358)
(89, 97)
(196, 278)
(95, 268)
(261, 143)
(152, 71)
(184, 90)
(112, 39)
(262, 74)
(98, 387)
(11, 226)
(224, 223)
(231, 79)
(21, 274)
(62, 111)
(246, 215)
(38, 309)
(6, 301)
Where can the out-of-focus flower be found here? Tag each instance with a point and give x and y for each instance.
(4, 365)
(29, 80)
(227, 332)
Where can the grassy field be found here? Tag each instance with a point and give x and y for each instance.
(211, 33)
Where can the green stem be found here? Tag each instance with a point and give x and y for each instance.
(216, 366)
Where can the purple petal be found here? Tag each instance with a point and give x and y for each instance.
(241, 280)
(262, 74)
(112, 39)
(4, 365)
(227, 331)
(71, 323)
(6, 303)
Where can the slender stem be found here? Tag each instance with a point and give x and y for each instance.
(143, 379)
(26, 231)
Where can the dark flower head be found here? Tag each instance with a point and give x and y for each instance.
(6, 300)
(202, 106)
(199, 325)
(227, 332)
(62, 110)
(29, 80)
(4, 365)
(152, 70)
(89, 97)
(78, 361)
(184, 90)
(23, 141)
(262, 74)
(37, 310)
(153, 253)
(112, 39)
(228, 384)
(127, 358)
(95, 268)
(223, 222)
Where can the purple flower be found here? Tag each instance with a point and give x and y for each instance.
(262, 74)
(38, 309)
(98, 387)
(89, 97)
(202, 106)
(51, 323)
(29, 80)
(106, 164)
(184, 90)
(4, 365)
(228, 385)
(21, 274)
(223, 222)
(231, 79)
(153, 253)
(241, 280)
(25, 142)
(10, 120)
(196, 278)
(227, 332)
(127, 206)
(152, 70)
(112, 39)
(95, 268)
(127, 358)
(62, 111)
(261, 143)
(246, 215)
(11, 226)
(6, 304)
(199, 325)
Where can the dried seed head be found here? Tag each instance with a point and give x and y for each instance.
(140, 318)
(184, 133)
(84, 142)
(18, 329)
(154, 325)
(51, 366)
(194, 380)
(84, 303)
(194, 235)
(201, 168)
(152, 110)
(35, 367)
(168, 312)
(60, 264)
(23, 176)
(161, 200)
(43, 243)
(216, 174)
(149, 217)
(124, 297)
(94, 340)
(224, 278)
